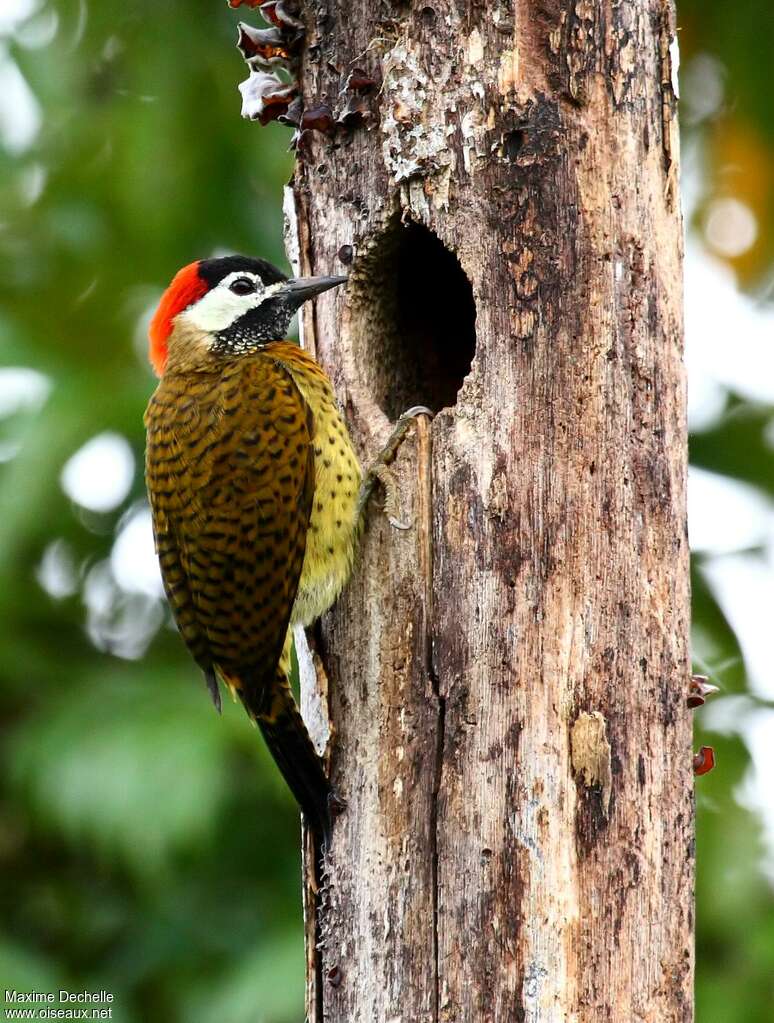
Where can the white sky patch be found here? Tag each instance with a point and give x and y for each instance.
(99, 589)
(692, 184)
(729, 336)
(13, 12)
(9, 449)
(133, 559)
(706, 402)
(727, 715)
(730, 228)
(31, 182)
(674, 57)
(22, 389)
(725, 515)
(39, 31)
(57, 572)
(703, 85)
(122, 624)
(100, 474)
(20, 114)
(743, 585)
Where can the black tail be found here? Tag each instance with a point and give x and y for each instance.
(277, 715)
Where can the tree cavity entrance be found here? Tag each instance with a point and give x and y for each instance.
(419, 317)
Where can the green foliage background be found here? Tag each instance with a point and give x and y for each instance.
(146, 846)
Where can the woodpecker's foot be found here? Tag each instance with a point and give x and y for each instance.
(391, 495)
(379, 470)
(336, 804)
(699, 688)
(704, 760)
(335, 808)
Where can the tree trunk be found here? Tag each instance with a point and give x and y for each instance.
(505, 680)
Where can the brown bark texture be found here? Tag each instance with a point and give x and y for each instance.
(503, 683)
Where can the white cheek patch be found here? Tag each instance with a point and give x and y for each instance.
(219, 308)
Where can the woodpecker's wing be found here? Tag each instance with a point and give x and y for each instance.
(236, 485)
(172, 414)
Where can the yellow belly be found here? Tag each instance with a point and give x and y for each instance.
(332, 538)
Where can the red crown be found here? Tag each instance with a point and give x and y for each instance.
(186, 288)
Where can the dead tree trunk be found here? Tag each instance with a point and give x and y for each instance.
(505, 680)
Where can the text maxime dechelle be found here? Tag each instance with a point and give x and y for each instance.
(61, 1004)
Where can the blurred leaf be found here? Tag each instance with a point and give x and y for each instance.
(739, 445)
(22, 970)
(265, 986)
(136, 771)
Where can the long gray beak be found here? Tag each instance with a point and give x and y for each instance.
(298, 289)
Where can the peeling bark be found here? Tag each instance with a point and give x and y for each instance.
(505, 681)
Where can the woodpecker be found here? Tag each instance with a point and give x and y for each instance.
(254, 490)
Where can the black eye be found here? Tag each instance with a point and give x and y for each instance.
(242, 286)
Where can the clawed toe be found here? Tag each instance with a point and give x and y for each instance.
(379, 470)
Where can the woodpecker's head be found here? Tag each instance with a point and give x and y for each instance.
(228, 306)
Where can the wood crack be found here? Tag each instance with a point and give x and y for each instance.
(439, 750)
(425, 527)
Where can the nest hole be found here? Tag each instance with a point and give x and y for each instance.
(419, 317)
(514, 143)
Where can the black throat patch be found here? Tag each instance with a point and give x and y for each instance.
(267, 322)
